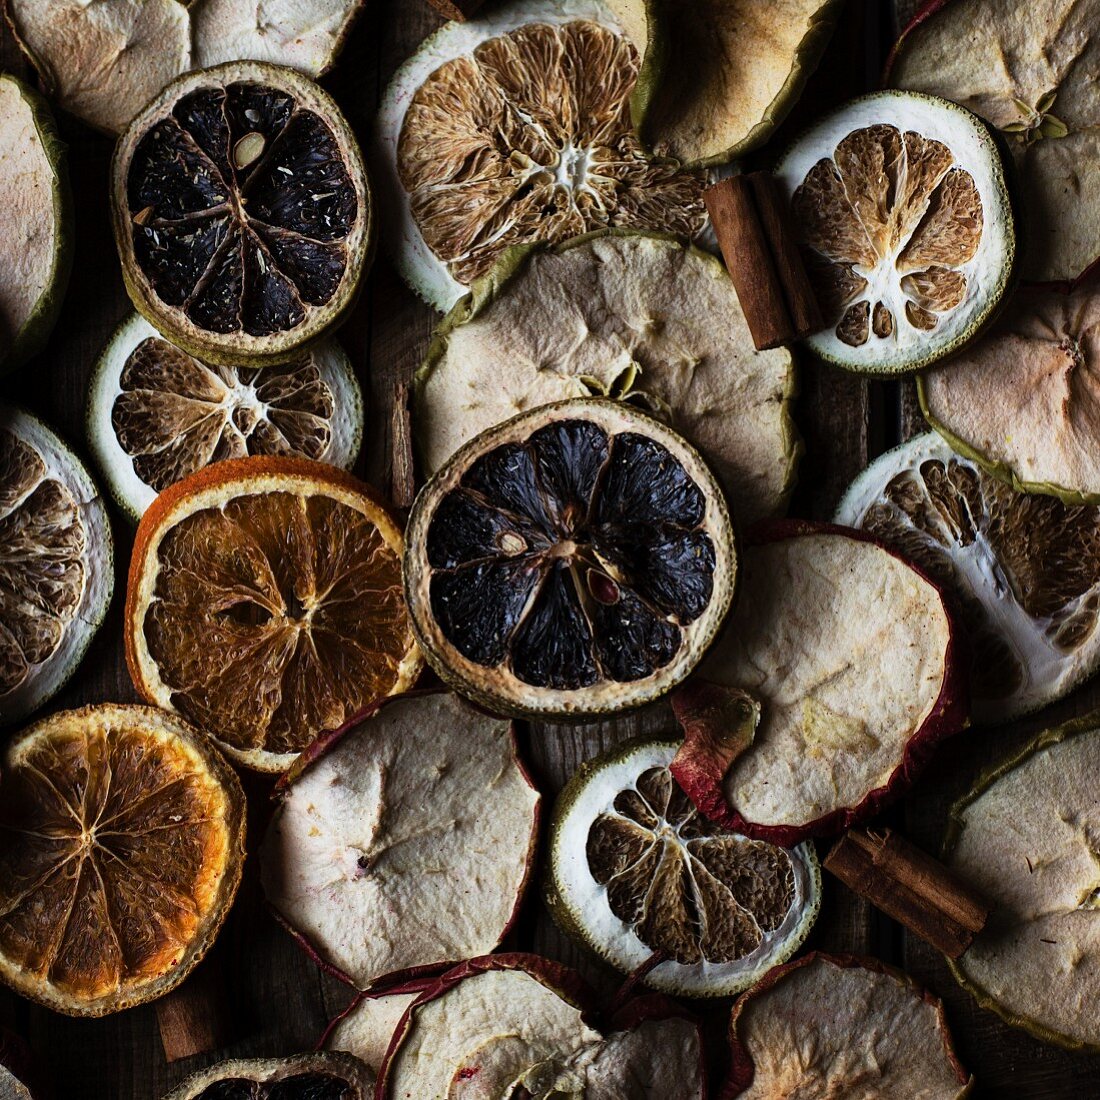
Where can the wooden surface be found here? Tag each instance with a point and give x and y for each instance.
(277, 1000)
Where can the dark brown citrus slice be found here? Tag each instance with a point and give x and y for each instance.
(242, 212)
(578, 558)
(315, 1076)
(121, 846)
(264, 603)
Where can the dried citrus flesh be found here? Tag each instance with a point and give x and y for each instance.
(157, 414)
(575, 559)
(900, 203)
(351, 858)
(826, 1027)
(121, 846)
(516, 128)
(1024, 569)
(313, 1076)
(717, 77)
(242, 212)
(624, 314)
(56, 571)
(1024, 401)
(635, 870)
(1025, 837)
(850, 652)
(1030, 71)
(264, 603)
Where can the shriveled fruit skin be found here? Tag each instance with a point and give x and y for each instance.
(318, 1075)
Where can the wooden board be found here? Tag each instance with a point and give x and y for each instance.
(279, 1001)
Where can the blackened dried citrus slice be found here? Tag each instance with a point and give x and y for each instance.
(264, 603)
(314, 1076)
(242, 212)
(578, 558)
(121, 846)
(635, 871)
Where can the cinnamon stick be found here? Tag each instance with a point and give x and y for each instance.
(194, 1019)
(402, 472)
(456, 9)
(910, 886)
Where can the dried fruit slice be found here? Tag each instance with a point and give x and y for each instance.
(1024, 401)
(36, 242)
(577, 559)
(516, 128)
(826, 1026)
(121, 847)
(315, 1076)
(1026, 837)
(901, 206)
(1030, 72)
(717, 77)
(1025, 570)
(635, 871)
(17, 1075)
(623, 314)
(264, 603)
(851, 653)
(365, 1028)
(157, 414)
(515, 1025)
(56, 563)
(242, 213)
(368, 816)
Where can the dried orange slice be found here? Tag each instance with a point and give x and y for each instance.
(121, 847)
(264, 603)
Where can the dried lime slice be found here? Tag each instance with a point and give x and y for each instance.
(157, 414)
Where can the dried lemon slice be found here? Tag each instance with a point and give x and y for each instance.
(314, 1076)
(901, 206)
(121, 846)
(157, 414)
(636, 871)
(264, 603)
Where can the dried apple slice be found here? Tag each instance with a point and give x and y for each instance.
(900, 203)
(851, 654)
(624, 314)
(1025, 836)
(1025, 569)
(369, 815)
(316, 1076)
(1024, 401)
(365, 1028)
(514, 128)
(828, 1026)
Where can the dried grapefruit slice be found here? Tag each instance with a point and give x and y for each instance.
(369, 814)
(577, 559)
(625, 314)
(901, 206)
(264, 603)
(828, 1026)
(1025, 569)
(56, 563)
(315, 1076)
(121, 846)
(157, 414)
(1024, 401)
(242, 212)
(635, 870)
(515, 128)
(851, 654)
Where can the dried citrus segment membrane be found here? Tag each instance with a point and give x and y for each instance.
(315, 1076)
(622, 314)
(516, 128)
(242, 212)
(850, 652)
(1025, 837)
(1030, 71)
(1025, 569)
(264, 603)
(56, 563)
(121, 846)
(635, 870)
(900, 203)
(576, 559)
(1024, 401)
(826, 1027)
(350, 860)
(157, 414)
